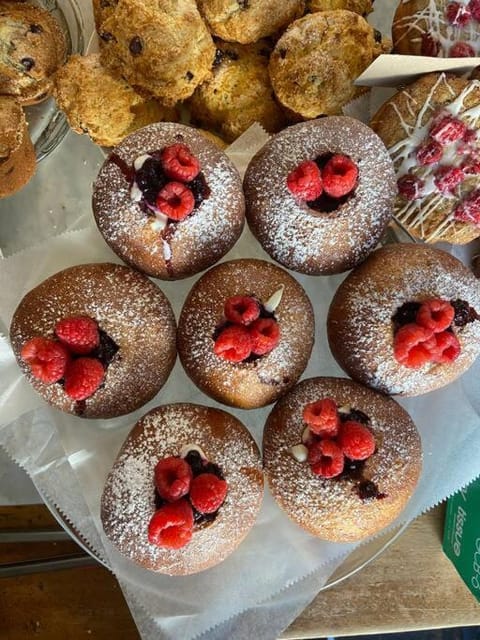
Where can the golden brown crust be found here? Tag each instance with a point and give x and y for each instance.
(17, 155)
(362, 7)
(103, 9)
(360, 327)
(254, 384)
(129, 308)
(128, 500)
(332, 508)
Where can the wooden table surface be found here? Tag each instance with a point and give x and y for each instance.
(412, 585)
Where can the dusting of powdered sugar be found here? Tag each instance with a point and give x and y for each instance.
(331, 508)
(299, 237)
(128, 500)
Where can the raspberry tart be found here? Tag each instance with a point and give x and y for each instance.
(168, 201)
(320, 194)
(340, 459)
(245, 333)
(407, 320)
(95, 340)
(195, 477)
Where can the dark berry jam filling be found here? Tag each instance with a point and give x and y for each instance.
(368, 490)
(407, 314)
(464, 313)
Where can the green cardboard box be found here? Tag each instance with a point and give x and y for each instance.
(461, 536)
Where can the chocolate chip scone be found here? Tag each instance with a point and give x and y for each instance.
(316, 60)
(162, 46)
(17, 156)
(239, 93)
(32, 47)
(362, 7)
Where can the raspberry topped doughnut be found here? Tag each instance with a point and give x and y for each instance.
(194, 476)
(246, 333)
(406, 321)
(340, 459)
(168, 201)
(320, 194)
(96, 340)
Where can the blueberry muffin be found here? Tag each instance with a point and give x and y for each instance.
(239, 93)
(17, 156)
(315, 62)
(362, 7)
(32, 47)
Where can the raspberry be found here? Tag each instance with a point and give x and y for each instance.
(458, 15)
(172, 525)
(233, 344)
(207, 493)
(414, 345)
(435, 315)
(474, 7)
(241, 309)
(179, 164)
(462, 50)
(410, 186)
(448, 178)
(326, 458)
(265, 335)
(172, 478)
(78, 333)
(322, 417)
(448, 347)
(429, 47)
(447, 130)
(47, 359)
(176, 201)
(356, 441)
(339, 176)
(470, 136)
(471, 167)
(429, 152)
(305, 182)
(83, 377)
(469, 209)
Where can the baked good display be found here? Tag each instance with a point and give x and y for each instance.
(437, 28)
(320, 194)
(17, 156)
(247, 21)
(95, 340)
(245, 333)
(185, 489)
(431, 131)
(101, 104)
(340, 459)
(315, 62)
(32, 47)
(406, 320)
(239, 92)
(168, 201)
(162, 46)
(362, 7)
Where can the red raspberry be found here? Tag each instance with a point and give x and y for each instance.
(305, 182)
(172, 525)
(447, 130)
(429, 152)
(470, 135)
(172, 478)
(242, 309)
(414, 345)
(339, 176)
(233, 344)
(469, 209)
(47, 359)
(78, 333)
(448, 178)
(176, 201)
(429, 47)
(448, 347)
(435, 315)
(471, 167)
(83, 377)
(356, 441)
(462, 50)
(410, 186)
(326, 458)
(179, 164)
(474, 7)
(322, 417)
(265, 335)
(458, 15)
(207, 492)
